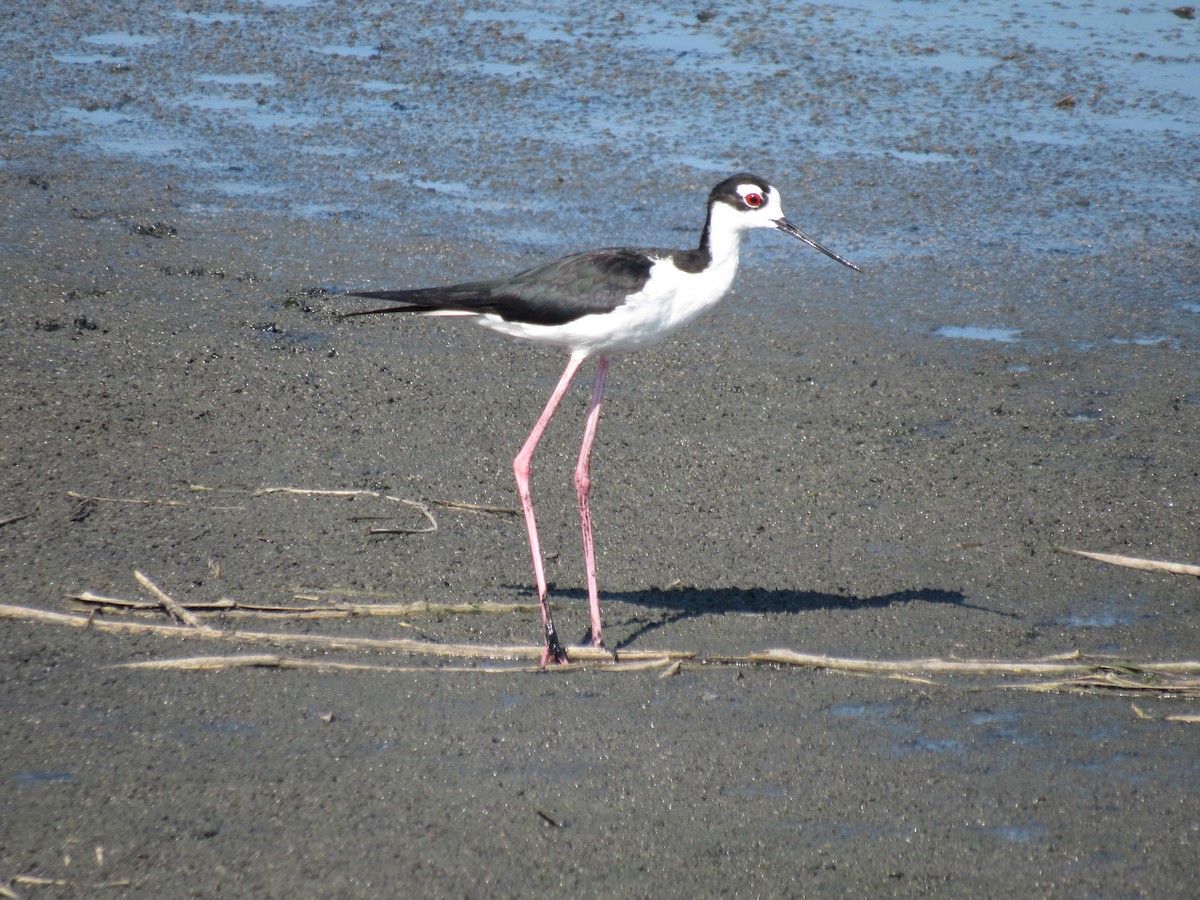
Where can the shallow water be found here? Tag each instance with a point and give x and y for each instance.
(656, 90)
(902, 134)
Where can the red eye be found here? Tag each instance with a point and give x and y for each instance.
(754, 201)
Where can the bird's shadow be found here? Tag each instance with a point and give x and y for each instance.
(679, 603)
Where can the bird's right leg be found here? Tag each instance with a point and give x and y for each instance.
(521, 469)
(583, 484)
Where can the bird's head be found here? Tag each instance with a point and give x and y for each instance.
(745, 201)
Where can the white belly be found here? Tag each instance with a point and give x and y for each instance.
(670, 299)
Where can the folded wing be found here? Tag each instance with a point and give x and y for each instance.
(552, 294)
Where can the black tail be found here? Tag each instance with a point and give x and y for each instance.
(390, 296)
(469, 299)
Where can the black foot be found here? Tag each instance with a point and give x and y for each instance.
(589, 639)
(555, 651)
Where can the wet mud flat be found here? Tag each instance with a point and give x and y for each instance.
(874, 467)
(833, 490)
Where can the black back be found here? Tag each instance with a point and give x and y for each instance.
(552, 294)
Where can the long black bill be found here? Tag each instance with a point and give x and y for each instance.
(788, 228)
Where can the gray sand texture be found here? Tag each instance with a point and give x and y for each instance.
(875, 467)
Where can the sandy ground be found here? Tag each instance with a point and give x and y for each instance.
(814, 466)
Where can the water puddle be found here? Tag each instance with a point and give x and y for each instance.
(1042, 136)
(218, 103)
(322, 211)
(1094, 620)
(533, 25)
(121, 39)
(952, 62)
(100, 116)
(458, 188)
(1141, 340)
(876, 712)
(1018, 834)
(383, 87)
(85, 59)
(244, 188)
(921, 156)
(240, 78)
(146, 148)
(33, 779)
(200, 18)
(979, 732)
(977, 333)
(362, 51)
(929, 745)
(267, 119)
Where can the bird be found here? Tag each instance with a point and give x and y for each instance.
(600, 303)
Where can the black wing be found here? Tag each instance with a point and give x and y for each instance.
(552, 294)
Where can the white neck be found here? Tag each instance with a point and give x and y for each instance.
(724, 235)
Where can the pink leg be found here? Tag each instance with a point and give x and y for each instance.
(521, 468)
(583, 484)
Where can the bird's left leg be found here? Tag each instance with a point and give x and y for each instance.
(522, 466)
(583, 484)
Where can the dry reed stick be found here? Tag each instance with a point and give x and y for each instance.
(1067, 664)
(406, 645)
(1133, 562)
(475, 507)
(137, 501)
(1147, 681)
(273, 661)
(226, 606)
(177, 612)
(39, 881)
(1073, 671)
(320, 492)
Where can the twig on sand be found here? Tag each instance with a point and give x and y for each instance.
(1133, 562)
(475, 507)
(87, 503)
(39, 881)
(1167, 678)
(1147, 678)
(1062, 672)
(1073, 671)
(16, 518)
(177, 612)
(1173, 717)
(377, 495)
(417, 608)
(1072, 663)
(672, 669)
(272, 661)
(226, 607)
(404, 645)
(1069, 663)
(136, 501)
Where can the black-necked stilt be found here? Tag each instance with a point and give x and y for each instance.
(598, 303)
